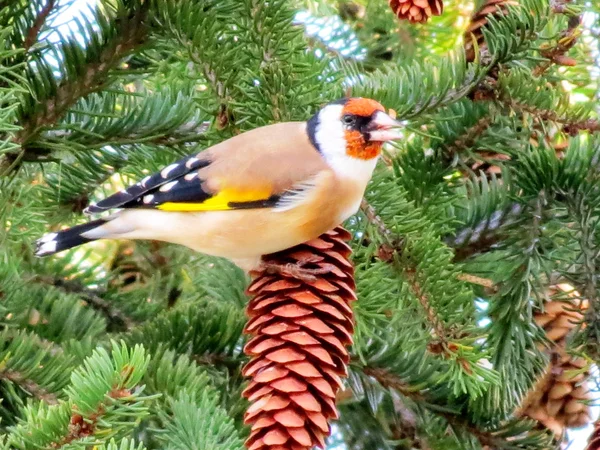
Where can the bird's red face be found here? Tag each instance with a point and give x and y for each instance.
(352, 131)
(366, 127)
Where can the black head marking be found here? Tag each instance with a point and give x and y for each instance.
(313, 122)
(355, 122)
(341, 101)
(311, 129)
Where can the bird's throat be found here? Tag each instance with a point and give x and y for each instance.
(358, 147)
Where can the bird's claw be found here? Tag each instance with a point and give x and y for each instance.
(294, 270)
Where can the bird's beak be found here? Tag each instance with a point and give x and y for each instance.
(382, 126)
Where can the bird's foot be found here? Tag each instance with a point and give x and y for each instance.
(295, 270)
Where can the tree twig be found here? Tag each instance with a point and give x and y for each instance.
(29, 385)
(375, 220)
(568, 38)
(94, 76)
(34, 31)
(468, 138)
(80, 427)
(569, 125)
(92, 298)
(388, 380)
(439, 328)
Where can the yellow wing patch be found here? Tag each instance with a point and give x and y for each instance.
(221, 201)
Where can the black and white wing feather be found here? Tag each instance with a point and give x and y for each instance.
(134, 195)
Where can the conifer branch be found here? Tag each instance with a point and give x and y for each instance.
(79, 202)
(574, 127)
(484, 235)
(29, 385)
(482, 245)
(588, 282)
(568, 38)
(492, 439)
(441, 334)
(388, 380)
(473, 279)
(33, 32)
(570, 126)
(590, 268)
(114, 315)
(470, 84)
(51, 347)
(181, 136)
(80, 427)
(94, 76)
(469, 137)
(387, 250)
(220, 89)
(375, 220)
(406, 429)
(207, 67)
(231, 363)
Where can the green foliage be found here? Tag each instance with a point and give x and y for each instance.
(10, 90)
(423, 86)
(491, 198)
(125, 444)
(199, 328)
(190, 428)
(103, 400)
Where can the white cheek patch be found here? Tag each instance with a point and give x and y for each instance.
(331, 137)
(330, 132)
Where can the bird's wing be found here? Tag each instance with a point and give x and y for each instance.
(133, 194)
(268, 167)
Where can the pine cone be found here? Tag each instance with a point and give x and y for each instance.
(489, 164)
(558, 401)
(301, 326)
(479, 19)
(594, 440)
(416, 11)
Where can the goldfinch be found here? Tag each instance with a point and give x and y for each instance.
(260, 192)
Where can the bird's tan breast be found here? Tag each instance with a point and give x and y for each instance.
(248, 233)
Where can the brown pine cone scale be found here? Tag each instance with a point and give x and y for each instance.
(561, 398)
(594, 440)
(301, 327)
(479, 19)
(416, 11)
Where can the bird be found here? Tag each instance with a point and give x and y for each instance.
(257, 193)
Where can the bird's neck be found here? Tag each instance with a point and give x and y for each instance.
(355, 169)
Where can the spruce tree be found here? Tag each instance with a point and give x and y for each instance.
(476, 251)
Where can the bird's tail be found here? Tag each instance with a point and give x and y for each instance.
(52, 243)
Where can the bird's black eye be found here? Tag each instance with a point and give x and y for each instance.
(349, 119)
